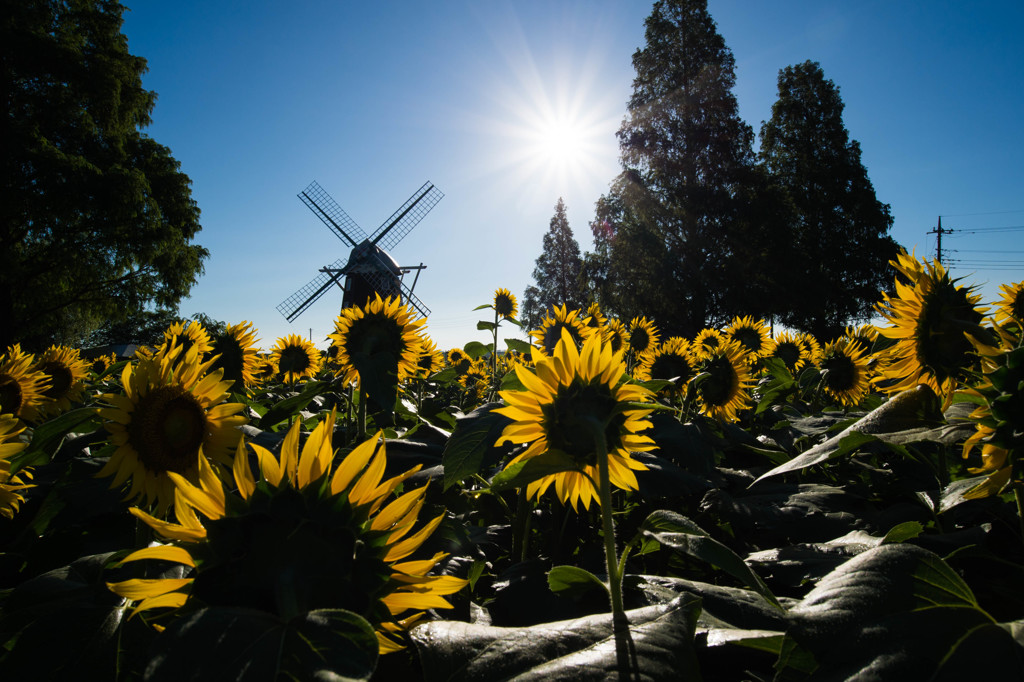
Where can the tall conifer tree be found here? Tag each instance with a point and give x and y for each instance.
(670, 229)
(557, 273)
(841, 235)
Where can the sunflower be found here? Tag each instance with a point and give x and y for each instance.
(172, 416)
(930, 317)
(459, 360)
(66, 372)
(505, 304)
(791, 351)
(1010, 308)
(478, 373)
(671, 361)
(431, 360)
(570, 393)
(298, 537)
(379, 327)
(706, 342)
(845, 374)
(10, 498)
(295, 358)
(265, 369)
(862, 336)
(643, 338)
(235, 349)
(595, 318)
(22, 388)
(549, 334)
(102, 363)
(723, 383)
(814, 352)
(616, 334)
(188, 333)
(751, 334)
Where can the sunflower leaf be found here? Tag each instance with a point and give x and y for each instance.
(476, 350)
(572, 581)
(290, 406)
(529, 470)
(483, 325)
(474, 437)
(518, 345)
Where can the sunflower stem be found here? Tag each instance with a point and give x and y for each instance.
(1018, 495)
(361, 427)
(608, 526)
(521, 526)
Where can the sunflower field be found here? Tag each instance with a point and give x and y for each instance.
(599, 502)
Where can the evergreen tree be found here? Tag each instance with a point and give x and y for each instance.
(675, 220)
(557, 274)
(96, 218)
(841, 236)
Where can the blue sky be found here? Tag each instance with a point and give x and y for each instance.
(507, 106)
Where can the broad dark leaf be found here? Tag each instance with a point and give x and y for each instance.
(529, 470)
(474, 437)
(290, 406)
(659, 646)
(252, 646)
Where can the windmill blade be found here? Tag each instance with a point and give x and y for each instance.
(383, 283)
(332, 215)
(407, 216)
(296, 304)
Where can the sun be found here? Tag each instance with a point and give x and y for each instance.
(562, 142)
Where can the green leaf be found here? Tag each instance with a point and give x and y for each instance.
(908, 416)
(290, 406)
(657, 646)
(482, 307)
(474, 437)
(483, 325)
(476, 350)
(901, 532)
(527, 471)
(681, 534)
(572, 581)
(47, 437)
(518, 345)
(224, 643)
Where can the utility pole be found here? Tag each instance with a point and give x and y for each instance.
(938, 231)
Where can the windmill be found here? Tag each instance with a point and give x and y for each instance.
(370, 268)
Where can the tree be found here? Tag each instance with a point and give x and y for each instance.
(96, 218)
(557, 274)
(673, 222)
(841, 233)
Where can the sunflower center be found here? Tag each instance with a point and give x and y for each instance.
(942, 347)
(789, 353)
(750, 339)
(10, 394)
(572, 417)
(60, 379)
(504, 305)
(721, 384)
(293, 359)
(167, 428)
(374, 334)
(553, 334)
(639, 339)
(232, 358)
(842, 373)
(671, 366)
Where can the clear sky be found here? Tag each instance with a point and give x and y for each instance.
(508, 105)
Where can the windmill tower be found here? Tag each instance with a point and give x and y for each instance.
(370, 268)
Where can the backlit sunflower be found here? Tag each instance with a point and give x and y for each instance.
(751, 334)
(812, 346)
(845, 374)
(431, 360)
(549, 334)
(929, 317)
(791, 351)
(572, 393)
(862, 336)
(643, 338)
(725, 389)
(171, 416)
(505, 304)
(616, 334)
(10, 498)
(707, 341)
(66, 373)
(459, 360)
(102, 363)
(478, 373)
(295, 358)
(595, 318)
(672, 360)
(186, 334)
(1010, 307)
(21, 386)
(378, 328)
(297, 538)
(235, 349)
